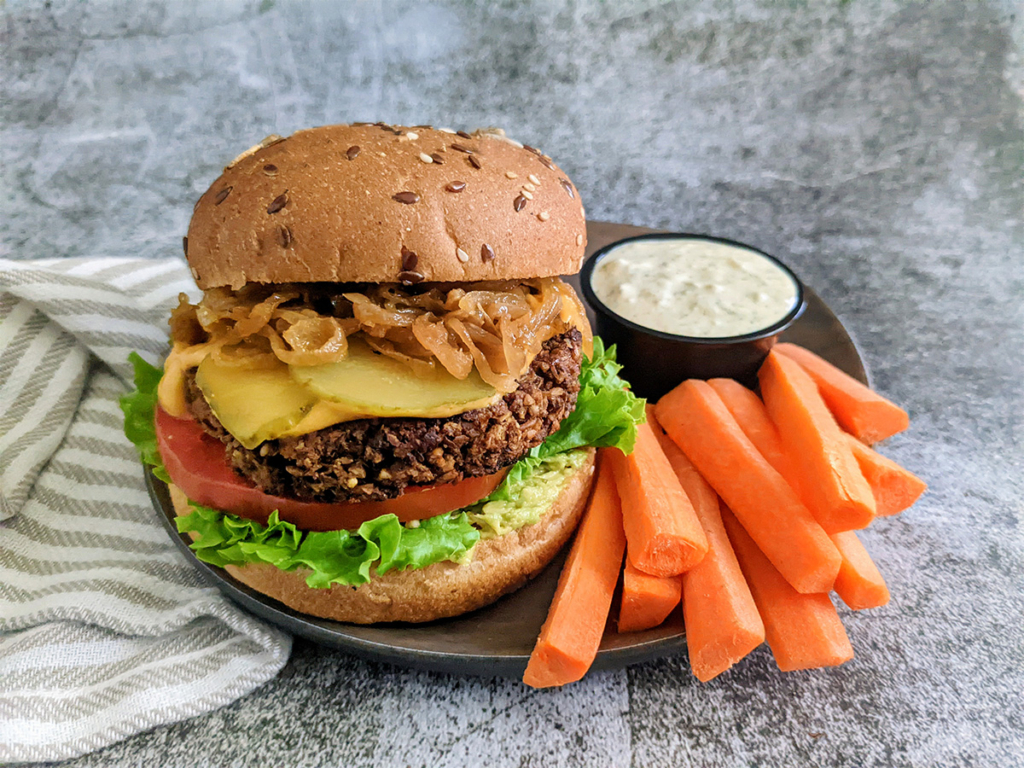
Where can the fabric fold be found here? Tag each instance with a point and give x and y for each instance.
(106, 629)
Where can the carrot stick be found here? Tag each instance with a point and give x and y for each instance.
(894, 487)
(698, 422)
(803, 631)
(830, 478)
(663, 534)
(647, 600)
(859, 583)
(571, 634)
(861, 412)
(753, 418)
(722, 622)
(700, 494)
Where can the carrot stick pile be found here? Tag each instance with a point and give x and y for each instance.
(741, 508)
(697, 420)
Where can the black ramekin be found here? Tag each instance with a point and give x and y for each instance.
(655, 362)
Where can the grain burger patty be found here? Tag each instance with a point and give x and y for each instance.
(384, 456)
(382, 334)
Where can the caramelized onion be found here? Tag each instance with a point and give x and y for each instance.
(440, 341)
(495, 327)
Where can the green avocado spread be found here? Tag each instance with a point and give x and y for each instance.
(498, 517)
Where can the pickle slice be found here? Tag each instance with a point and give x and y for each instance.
(253, 403)
(377, 385)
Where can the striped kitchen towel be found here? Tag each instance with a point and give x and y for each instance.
(106, 629)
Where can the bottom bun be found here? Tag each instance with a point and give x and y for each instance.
(498, 566)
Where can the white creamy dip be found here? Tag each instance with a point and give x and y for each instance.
(694, 287)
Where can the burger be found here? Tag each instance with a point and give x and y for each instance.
(386, 403)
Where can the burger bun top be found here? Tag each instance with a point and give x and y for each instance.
(381, 203)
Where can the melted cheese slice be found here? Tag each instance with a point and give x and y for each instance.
(573, 314)
(320, 416)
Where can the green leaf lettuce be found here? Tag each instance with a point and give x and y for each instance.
(139, 407)
(332, 557)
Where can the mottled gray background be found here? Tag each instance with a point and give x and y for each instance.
(875, 145)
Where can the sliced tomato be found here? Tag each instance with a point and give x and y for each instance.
(198, 466)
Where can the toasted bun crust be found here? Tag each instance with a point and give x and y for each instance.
(320, 206)
(499, 566)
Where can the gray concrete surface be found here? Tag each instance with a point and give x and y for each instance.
(876, 145)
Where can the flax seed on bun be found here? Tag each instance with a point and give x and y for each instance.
(381, 203)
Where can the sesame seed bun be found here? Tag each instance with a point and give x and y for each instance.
(379, 203)
(498, 566)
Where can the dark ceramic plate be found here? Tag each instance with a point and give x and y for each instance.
(497, 640)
